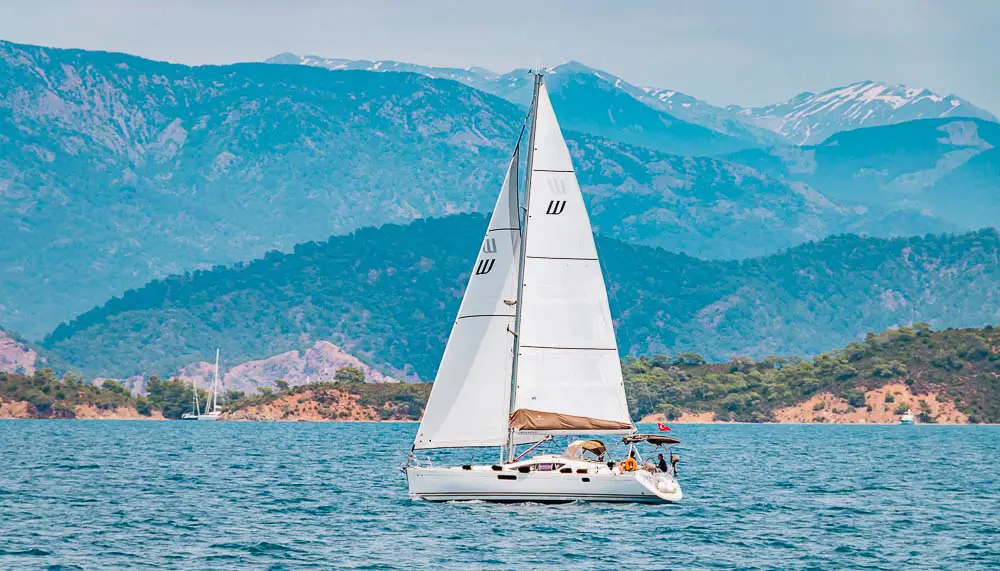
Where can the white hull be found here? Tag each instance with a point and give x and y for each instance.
(210, 416)
(486, 484)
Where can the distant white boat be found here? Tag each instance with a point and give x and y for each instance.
(195, 404)
(533, 354)
(907, 418)
(212, 411)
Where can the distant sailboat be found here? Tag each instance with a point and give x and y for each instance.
(533, 353)
(907, 417)
(212, 411)
(195, 406)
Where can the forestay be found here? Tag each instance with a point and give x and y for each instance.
(568, 361)
(469, 403)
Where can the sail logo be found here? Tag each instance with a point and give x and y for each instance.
(490, 246)
(557, 186)
(485, 266)
(556, 207)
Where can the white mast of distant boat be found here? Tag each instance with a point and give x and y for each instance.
(196, 406)
(212, 405)
(564, 374)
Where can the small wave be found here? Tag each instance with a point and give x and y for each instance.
(291, 501)
(322, 510)
(829, 491)
(119, 554)
(35, 552)
(223, 557)
(780, 544)
(258, 549)
(74, 467)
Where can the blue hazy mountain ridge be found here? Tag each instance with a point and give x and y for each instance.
(807, 118)
(947, 168)
(577, 91)
(976, 183)
(115, 170)
(577, 94)
(389, 295)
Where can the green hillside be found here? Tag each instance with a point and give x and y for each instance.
(389, 295)
(963, 365)
(50, 397)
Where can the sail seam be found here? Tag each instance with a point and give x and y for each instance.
(550, 170)
(501, 229)
(560, 258)
(485, 315)
(571, 348)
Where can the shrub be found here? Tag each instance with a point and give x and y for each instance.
(143, 406)
(855, 398)
(349, 375)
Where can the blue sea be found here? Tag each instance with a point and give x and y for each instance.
(175, 495)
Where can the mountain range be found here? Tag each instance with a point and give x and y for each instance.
(805, 119)
(117, 170)
(389, 294)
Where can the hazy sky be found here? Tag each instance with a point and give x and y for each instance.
(736, 51)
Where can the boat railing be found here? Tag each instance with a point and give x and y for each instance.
(414, 462)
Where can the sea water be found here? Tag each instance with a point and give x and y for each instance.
(190, 495)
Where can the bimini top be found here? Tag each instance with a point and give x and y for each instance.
(578, 447)
(657, 439)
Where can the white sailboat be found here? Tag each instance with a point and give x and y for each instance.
(195, 405)
(212, 411)
(533, 354)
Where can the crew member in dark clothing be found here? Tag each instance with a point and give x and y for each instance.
(661, 464)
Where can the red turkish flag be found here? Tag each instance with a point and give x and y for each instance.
(662, 427)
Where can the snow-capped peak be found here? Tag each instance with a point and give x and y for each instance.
(810, 118)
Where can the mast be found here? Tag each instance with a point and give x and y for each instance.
(194, 397)
(511, 445)
(215, 383)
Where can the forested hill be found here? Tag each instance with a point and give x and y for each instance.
(942, 376)
(389, 295)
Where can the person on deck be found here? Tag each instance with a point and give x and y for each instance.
(662, 463)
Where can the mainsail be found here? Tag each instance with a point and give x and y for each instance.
(569, 376)
(470, 400)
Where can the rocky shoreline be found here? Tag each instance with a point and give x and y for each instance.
(11, 410)
(883, 405)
